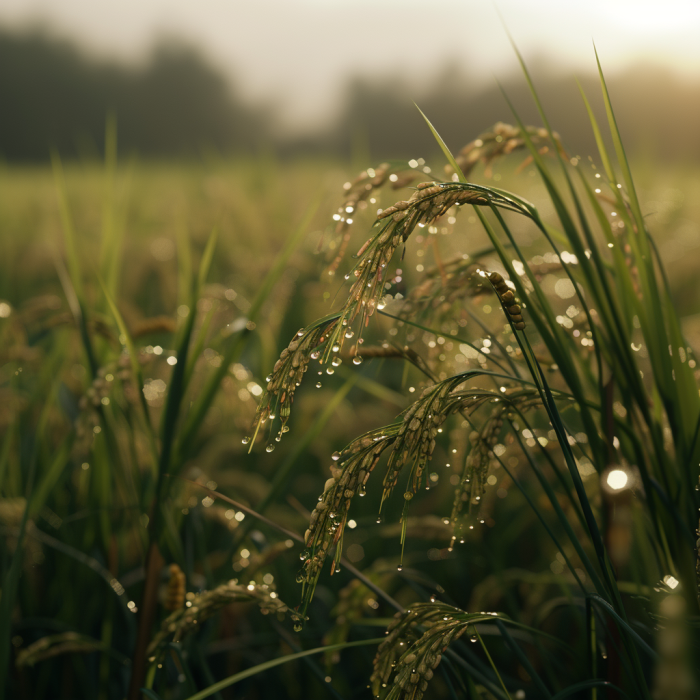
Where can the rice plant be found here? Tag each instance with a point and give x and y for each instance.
(601, 377)
(526, 407)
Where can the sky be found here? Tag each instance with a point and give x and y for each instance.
(297, 54)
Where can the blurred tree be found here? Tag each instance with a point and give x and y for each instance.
(177, 104)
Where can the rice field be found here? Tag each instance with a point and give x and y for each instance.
(204, 365)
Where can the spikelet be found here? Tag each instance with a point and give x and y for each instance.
(202, 606)
(480, 459)
(328, 519)
(407, 658)
(356, 195)
(502, 140)
(443, 288)
(56, 645)
(175, 592)
(287, 374)
(505, 294)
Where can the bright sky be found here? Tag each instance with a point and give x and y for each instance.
(296, 53)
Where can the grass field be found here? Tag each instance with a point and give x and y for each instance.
(118, 308)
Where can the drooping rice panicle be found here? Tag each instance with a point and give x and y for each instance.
(409, 442)
(413, 648)
(286, 376)
(202, 606)
(394, 225)
(501, 140)
(358, 192)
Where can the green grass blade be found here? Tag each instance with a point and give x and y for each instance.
(260, 668)
(443, 146)
(74, 267)
(127, 341)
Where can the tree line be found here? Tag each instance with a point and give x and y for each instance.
(179, 105)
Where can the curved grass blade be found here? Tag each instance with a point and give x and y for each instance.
(231, 680)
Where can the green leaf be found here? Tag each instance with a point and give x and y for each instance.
(278, 662)
(443, 146)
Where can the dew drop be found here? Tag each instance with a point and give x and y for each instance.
(347, 277)
(297, 627)
(336, 361)
(473, 638)
(245, 440)
(315, 354)
(270, 448)
(318, 385)
(329, 370)
(349, 333)
(285, 428)
(336, 347)
(268, 378)
(335, 456)
(399, 567)
(357, 360)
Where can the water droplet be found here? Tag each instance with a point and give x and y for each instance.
(408, 495)
(379, 519)
(318, 385)
(399, 567)
(245, 440)
(347, 277)
(335, 456)
(336, 347)
(432, 598)
(270, 448)
(329, 370)
(278, 438)
(304, 555)
(336, 361)
(297, 627)
(362, 491)
(285, 428)
(473, 638)
(349, 333)
(315, 354)
(268, 378)
(300, 333)
(357, 360)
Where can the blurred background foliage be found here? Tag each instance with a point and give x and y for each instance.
(178, 104)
